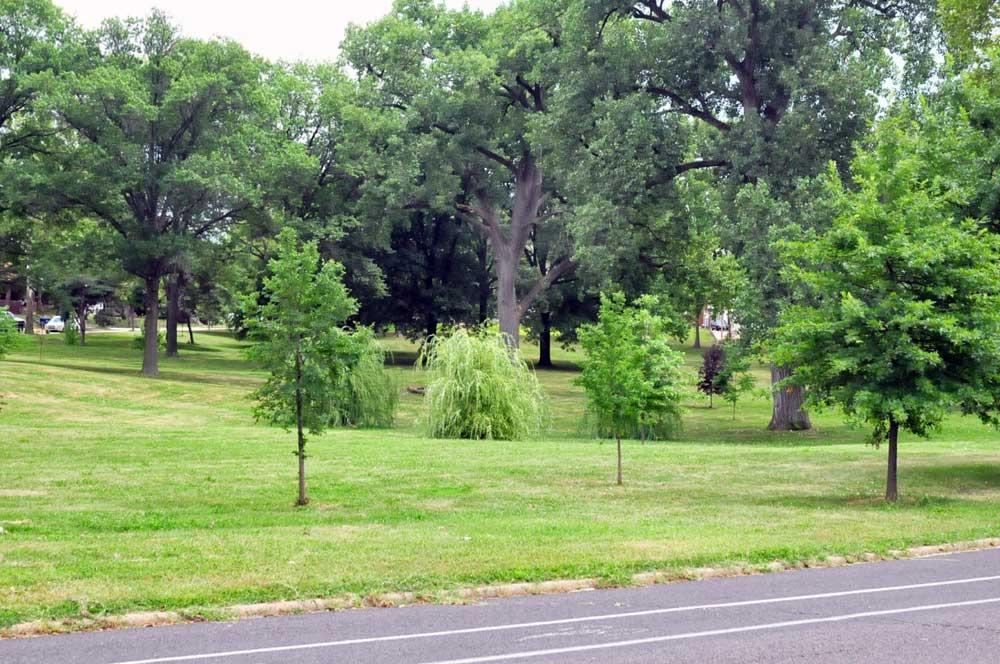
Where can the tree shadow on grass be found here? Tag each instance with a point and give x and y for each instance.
(855, 501)
(958, 477)
(165, 375)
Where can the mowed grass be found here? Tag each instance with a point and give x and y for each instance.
(119, 493)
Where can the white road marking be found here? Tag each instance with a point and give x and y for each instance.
(713, 632)
(560, 621)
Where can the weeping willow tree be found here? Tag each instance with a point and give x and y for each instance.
(476, 390)
(370, 393)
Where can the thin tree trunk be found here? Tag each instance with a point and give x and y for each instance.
(891, 483)
(190, 331)
(29, 310)
(173, 313)
(430, 326)
(697, 333)
(618, 440)
(545, 341)
(788, 413)
(82, 319)
(151, 351)
(303, 498)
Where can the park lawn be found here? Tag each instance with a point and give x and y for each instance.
(119, 493)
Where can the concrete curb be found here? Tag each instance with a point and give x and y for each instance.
(494, 591)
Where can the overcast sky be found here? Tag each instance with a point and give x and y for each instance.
(277, 29)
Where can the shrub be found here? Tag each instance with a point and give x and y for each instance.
(477, 389)
(8, 332)
(140, 341)
(71, 333)
(105, 318)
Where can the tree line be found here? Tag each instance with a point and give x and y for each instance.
(465, 167)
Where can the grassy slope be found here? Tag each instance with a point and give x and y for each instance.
(118, 493)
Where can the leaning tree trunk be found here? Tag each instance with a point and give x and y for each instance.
(173, 313)
(545, 341)
(29, 310)
(190, 331)
(788, 413)
(151, 351)
(891, 482)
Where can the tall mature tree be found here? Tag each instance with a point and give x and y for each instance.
(161, 145)
(900, 324)
(772, 90)
(35, 39)
(471, 93)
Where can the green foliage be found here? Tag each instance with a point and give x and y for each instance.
(631, 374)
(8, 333)
(139, 342)
(735, 379)
(71, 332)
(372, 393)
(477, 390)
(899, 314)
(299, 338)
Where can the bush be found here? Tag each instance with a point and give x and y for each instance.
(105, 318)
(372, 393)
(478, 390)
(712, 368)
(140, 341)
(71, 333)
(8, 333)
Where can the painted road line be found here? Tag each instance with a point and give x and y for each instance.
(713, 632)
(559, 621)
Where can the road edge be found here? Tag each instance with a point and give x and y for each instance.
(478, 593)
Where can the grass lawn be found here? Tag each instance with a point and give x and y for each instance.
(119, 493)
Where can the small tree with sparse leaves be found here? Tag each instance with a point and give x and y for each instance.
(301, 342)
(631, 374)
(713, 362)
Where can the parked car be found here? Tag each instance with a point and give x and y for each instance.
(55, 324)
(43, 320)
(17, 320)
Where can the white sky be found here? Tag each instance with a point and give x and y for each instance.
(276, 29)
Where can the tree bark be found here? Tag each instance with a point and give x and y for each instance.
(190, 331)
(545, 341)
(697, 333)
(618, 440)
(787, 413)
(29, 309)
(173, 314)
(891, 483)
(303, 499)
(507, 310)
(151, 351)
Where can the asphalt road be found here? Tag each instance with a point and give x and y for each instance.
(937, 609)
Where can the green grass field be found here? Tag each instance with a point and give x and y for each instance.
(119, 493)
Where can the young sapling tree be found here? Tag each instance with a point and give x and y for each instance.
(299, 339)
(631, 374)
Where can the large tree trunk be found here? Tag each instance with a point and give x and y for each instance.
(173, 313)
(788, 413)
(697, 333)
(29, 310)
(507, 243)
(545, 341)
(151, 351)
(303, 499)
(891, 483)
(507, 263)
